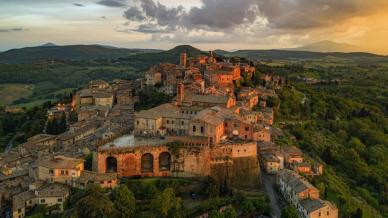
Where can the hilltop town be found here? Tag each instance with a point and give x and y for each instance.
(213, 125)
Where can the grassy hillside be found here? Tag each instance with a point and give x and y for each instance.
(70, 52)
(300, 55)
(12, 92)
(344, 125)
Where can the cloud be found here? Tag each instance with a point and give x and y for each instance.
(215, 14)
(113, 3)
(229, 14)
(161, 14)
(304, 14)
(152, 28)
(78, 5)
(16, 29)
(275, 23)
(134, 14)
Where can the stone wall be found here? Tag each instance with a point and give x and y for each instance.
(184, 160)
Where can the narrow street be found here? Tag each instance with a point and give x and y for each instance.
(268, 182)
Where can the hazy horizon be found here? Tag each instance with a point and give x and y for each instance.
(205, 24)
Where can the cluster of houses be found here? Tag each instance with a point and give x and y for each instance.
(291, 169)
(47, 181)
(275, 158)
(41, 170)
(304, 196)
(214, 119)
(205, 104)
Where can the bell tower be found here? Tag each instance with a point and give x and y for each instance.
(183, 59)
(180, 93)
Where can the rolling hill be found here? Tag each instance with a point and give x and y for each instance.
(68, 52)
(170, 56)
(328, 46)
(286, 54)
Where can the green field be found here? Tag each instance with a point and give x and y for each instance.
(11, 92)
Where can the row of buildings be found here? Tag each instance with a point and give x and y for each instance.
(304, 196)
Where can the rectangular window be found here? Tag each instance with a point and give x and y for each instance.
(59, 199)
(194, 128)
(42, 201)
(51, 172)
(202, 129)
(62, 172)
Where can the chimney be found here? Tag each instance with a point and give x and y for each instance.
(183, 59)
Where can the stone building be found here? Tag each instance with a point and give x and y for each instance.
(172, 156)
(60, 169)
(49, 194)
(105, 180)
(271, 163)
(164, 119)
(293, 154)
(304, 196)
(104, 99)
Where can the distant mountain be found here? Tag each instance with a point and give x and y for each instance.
(68, 52)
(328, 46)
(286, 54)
(48, 44)
(151, 56)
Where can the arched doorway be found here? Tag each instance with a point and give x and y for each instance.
(111, 165)
(164, 161)
(147, 163)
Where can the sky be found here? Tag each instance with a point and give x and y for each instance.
(206, 24)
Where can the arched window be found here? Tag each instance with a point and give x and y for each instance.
(164, 161)
(147, 163)
(111, 165)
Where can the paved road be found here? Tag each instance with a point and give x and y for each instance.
(268, 182)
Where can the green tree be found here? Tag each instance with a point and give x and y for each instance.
(289, 212)
(95, 203)
(247, 208)
(165, 203)
(1, 128)
(62, 124)
(73, 116)
(230, 212)
(124, 202)
(358, 213)
(148, 189)
(52, 126)
(215, 214)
